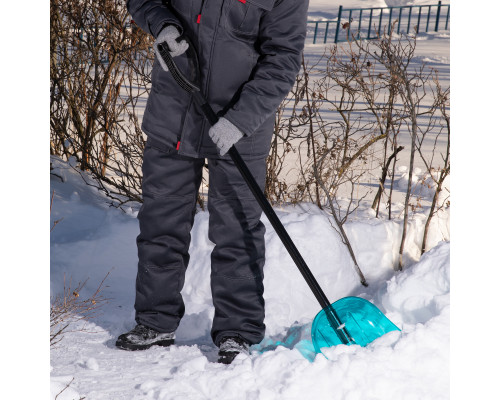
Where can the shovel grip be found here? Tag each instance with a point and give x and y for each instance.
(178, 76)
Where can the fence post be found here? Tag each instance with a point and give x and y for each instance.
(326, 30)
(338, 24)
(419, 15)
(349, 26)
(437, 16)
(428, 19)
(380, 21)
(409, 20)
(390, 21)
(447, 18)
(315, 32)
(359, 25)
(399, 18)
(370, 24)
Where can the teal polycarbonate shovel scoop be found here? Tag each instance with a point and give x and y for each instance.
(360, 318)
(350, 320)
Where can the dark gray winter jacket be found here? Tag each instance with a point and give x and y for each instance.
(249, 53)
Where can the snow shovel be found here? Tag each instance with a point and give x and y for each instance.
(350, 320)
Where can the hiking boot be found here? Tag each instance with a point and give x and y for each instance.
(143, 337)
(230, 347)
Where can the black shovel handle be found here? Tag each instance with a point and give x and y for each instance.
(268, 210)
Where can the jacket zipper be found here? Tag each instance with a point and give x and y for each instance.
(205, 92)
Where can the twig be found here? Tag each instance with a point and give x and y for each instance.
(60, 219)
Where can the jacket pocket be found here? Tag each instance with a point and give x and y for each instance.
(244, 16)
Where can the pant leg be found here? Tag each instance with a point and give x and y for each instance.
(239, 254)
(170, 186)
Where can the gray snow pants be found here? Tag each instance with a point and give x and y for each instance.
(170, 186)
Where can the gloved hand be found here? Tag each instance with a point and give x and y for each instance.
(224, 134)
(169, 34)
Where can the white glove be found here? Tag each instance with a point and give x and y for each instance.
(169, 34)
(224, 134)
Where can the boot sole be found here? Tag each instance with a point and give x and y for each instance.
(133, 347)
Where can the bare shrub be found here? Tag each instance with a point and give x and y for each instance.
(412, 86)
(378, 93)
(97, 82)
(437, 173)
(69, 308)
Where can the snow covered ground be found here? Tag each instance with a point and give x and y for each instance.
(92, 239)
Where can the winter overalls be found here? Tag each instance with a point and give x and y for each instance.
(249, 54)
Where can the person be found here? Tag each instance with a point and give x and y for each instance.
(249, 54)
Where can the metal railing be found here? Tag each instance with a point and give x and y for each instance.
(369, 23)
